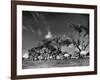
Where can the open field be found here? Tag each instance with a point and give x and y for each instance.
(26, 64)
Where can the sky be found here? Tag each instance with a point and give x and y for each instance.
(37, 26)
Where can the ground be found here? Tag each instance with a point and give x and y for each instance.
(27, 64)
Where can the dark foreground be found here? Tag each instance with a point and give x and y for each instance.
(27, 64)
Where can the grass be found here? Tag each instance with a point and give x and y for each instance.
(27, 64)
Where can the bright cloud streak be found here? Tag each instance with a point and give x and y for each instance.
(49, 35)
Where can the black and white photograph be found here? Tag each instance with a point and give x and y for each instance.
(53, 39)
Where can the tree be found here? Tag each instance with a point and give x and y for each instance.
(80, 43)
(79, 28)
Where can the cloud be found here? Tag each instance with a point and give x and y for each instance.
(37, 14)
(48, 27)
(34, 16)
(24, 28)
(39, 32)
(49, 35)
(30, 28)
